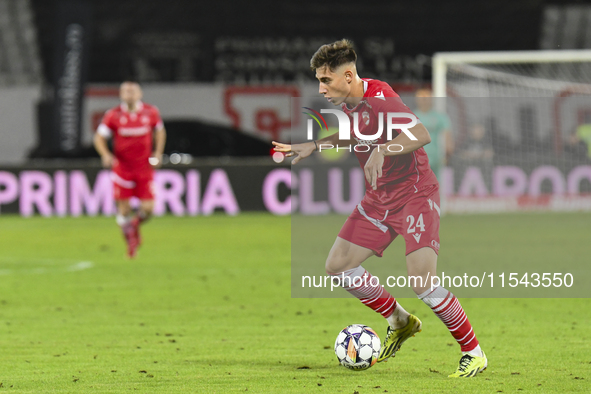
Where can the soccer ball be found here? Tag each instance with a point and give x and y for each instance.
(357, 347)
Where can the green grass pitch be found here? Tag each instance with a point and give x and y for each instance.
(206, 308)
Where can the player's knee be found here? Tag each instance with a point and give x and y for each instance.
(123, 209)
(147, 210)
(336, 264)
(331, 266)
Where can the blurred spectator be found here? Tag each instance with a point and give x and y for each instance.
(439, 127)
(477, 151)
(581, 139)
(478, 147)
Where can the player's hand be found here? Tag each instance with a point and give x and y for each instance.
(373, 166)
(107, 160)
(297, 151)
(155, 160)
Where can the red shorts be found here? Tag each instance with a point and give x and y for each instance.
(128, 184)
(417, 221)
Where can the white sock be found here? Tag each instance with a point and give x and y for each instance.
(398, 318)
(122, 221)
(476, 352)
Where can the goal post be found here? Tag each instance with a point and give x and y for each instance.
(522, 128)
(442, 60)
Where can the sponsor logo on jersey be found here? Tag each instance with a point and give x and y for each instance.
(417, 237)
(134, 131)
(123, 120)
(380, 95)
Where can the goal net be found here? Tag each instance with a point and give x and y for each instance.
(521, 125)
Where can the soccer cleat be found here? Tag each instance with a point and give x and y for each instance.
(470, 366)
(395, 338)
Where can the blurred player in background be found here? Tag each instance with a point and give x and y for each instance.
(439, 127)
(583, 134)
(138, 143)
(402, 197)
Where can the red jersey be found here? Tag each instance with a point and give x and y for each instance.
(132, 134)
(402, 175)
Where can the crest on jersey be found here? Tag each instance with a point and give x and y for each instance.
(145, 119)
(123, 120)
(365, 117)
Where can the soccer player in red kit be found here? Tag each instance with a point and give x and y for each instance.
(133, 126)
(401, 198)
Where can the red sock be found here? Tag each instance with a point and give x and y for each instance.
(360, 283)
(447, 308)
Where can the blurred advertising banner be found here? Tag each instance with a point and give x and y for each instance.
(317, 189)
(320, 189)
(180, 191)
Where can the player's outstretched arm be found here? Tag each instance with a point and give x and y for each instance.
(297, 151)
(301, 151)
(100, 144)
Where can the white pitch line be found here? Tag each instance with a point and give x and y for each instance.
(80, 266)
(83, 265)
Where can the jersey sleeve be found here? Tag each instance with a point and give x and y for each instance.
(385, 100)
(106, 128)
(157, 123)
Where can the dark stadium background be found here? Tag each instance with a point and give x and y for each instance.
(192, 41)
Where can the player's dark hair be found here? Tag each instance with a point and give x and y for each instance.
(334, 55)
